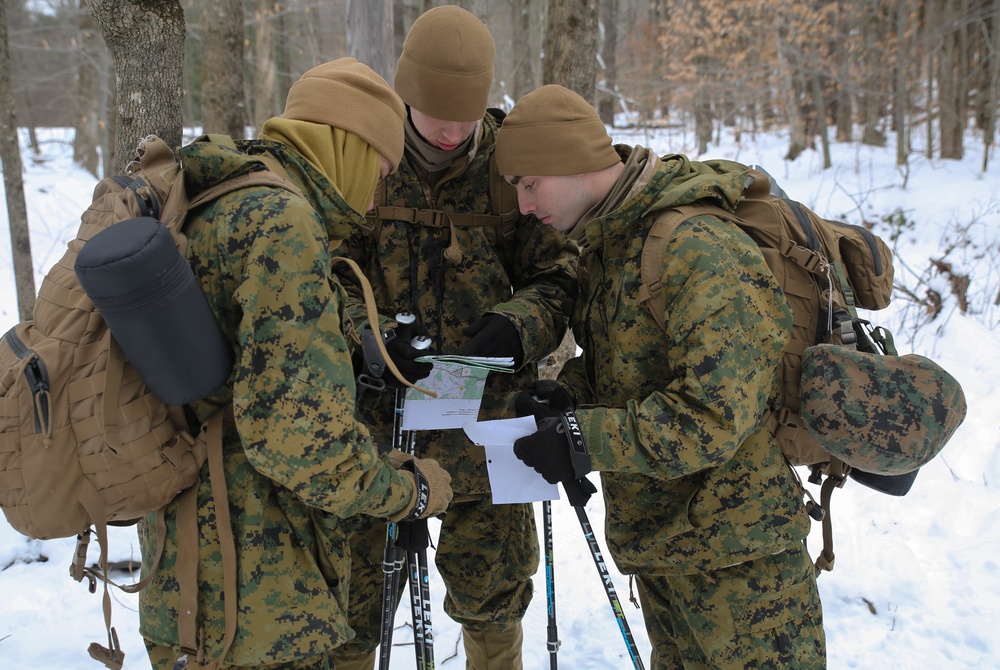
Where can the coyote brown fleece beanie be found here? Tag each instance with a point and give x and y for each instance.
(446, 68)
(349, 95)
(553, 131)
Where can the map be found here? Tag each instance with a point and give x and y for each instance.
(459, 383)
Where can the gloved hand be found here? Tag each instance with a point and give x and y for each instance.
(402, 353)
(543, 398)
(397, 458)
(431, 489)
(493, 335)
(556, 450)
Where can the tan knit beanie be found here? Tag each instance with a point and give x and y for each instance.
(446, 68)
(553, 131)
(348, 94)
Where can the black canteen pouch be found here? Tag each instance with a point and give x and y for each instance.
(145, 290)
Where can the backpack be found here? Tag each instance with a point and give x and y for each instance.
(84, 442)
(902, 409)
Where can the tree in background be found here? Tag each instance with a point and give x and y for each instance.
(571, 46)
(10, 158)
(866, 69)
(146, 42)
(370, 35)
(223, 109)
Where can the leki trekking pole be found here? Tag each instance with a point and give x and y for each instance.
(579, 491)
(416, 560)
(550, 587)
(392, 558)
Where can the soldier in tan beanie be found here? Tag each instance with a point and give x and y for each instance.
(447, 244)
(297, 462)
(701, 505)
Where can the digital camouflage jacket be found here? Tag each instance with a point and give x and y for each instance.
(528, 276)
(262, 257)
(693, 480)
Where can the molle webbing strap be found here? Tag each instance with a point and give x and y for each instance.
(836, 475)
(435, 218)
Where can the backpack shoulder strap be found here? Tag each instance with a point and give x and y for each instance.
(654, 251)
(503, 214)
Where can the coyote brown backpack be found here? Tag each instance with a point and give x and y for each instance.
(83, 441)
(827, 270)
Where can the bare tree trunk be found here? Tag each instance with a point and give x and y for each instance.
(871, 86)
(222, 99)
(570, 45)
(948, 93)
(86, 138)
(369, 35)
(146, 41)
(821, 129)
(10, 159)
(992, 99)
(608, 100)
(900, 98)
(264, 79)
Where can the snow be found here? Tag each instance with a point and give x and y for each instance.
(917, 578)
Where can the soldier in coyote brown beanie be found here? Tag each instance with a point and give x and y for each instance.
(297, 461)
(447, 244)
(701, 506)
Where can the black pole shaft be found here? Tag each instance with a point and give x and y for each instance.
(550, 586)
(609, 588)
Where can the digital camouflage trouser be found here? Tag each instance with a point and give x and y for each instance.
(162, 658)
(760, 614)
(486, 555)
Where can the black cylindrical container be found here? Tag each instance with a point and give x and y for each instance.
(147, 293)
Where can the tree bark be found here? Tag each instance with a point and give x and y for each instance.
(608, 99)
(370, 37)
(86, 136)
(10, 158)
(570, 45)
(146, 41)
(264, 78)
(222, 100)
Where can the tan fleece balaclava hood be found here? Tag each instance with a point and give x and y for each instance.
(553, 131)
(349, 95)
(446, 68)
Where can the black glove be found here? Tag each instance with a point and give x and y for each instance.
(495, 336)
(556, 450)
(398, 345)
(413, 535)
(543, 398)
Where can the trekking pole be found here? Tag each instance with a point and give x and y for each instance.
(579, 491)
(392, 557)
(419, 576)
(550, 586)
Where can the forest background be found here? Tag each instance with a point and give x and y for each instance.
(839, 70)
(921, 78)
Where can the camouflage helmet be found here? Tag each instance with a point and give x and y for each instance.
(882, 414)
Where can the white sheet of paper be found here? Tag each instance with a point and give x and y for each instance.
(511, 480)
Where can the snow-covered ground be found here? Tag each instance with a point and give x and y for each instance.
(916, 584)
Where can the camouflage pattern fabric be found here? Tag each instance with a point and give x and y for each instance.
(297, 460)
(531, 279)
(886, 415)
(162, 658)
(762, 614)
(694, 481)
